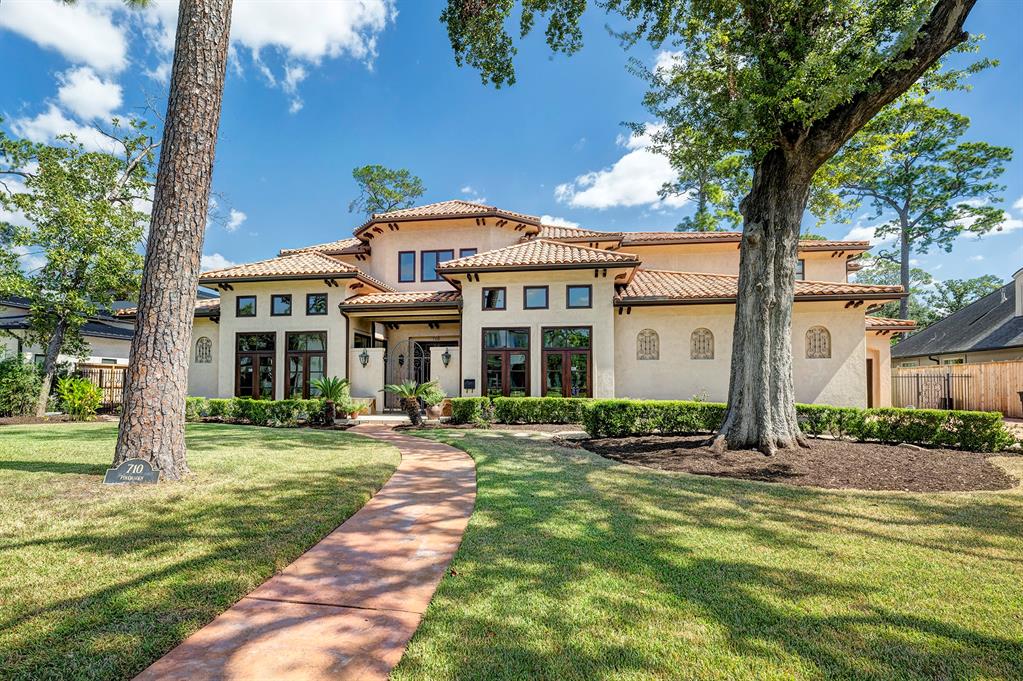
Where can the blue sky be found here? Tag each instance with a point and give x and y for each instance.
(315, 89)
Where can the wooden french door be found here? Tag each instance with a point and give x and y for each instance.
(507, 373)
(306, 362)
(567, 364)
(255, 374)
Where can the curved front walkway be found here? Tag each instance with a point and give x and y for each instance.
(348, 606)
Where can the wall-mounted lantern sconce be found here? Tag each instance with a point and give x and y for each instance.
(364, 357)
(446, 357)
(401, 360)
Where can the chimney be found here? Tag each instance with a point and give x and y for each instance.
(1018, 287)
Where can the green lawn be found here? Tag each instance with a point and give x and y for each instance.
(575, 567)
(96, 582)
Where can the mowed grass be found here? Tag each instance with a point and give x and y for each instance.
(96, 582)
(576, 567)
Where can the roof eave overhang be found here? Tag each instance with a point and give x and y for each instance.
(358, 233)
(528, 268)
(397, 307)
(647, 301)
(280, 277)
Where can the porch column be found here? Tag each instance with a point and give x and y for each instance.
(367, 381)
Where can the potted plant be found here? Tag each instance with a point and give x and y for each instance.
(433, 400)
(410, 393)
(333, 390)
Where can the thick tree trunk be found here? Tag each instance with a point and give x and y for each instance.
(50, 365)
(156, 384)
(904, 266)
(761, 398)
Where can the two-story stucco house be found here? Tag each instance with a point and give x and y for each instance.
(492, 302)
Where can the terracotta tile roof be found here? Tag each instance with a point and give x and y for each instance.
(204, 307)
(301, 265)
(539, 253)
(652, 238)
(662, 286)
(399, 298)
(455, 208)
(339, 247)
(558, 232)
(889, 324)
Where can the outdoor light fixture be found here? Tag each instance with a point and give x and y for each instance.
(446, 357)
(364, 357)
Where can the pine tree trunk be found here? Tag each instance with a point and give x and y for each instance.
(50, 365)
(761, 397)
(904, 267)
(156, 382)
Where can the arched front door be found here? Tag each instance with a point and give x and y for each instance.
(406, 361)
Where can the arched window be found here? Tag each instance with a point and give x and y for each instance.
(818, 343)
(648, 346)
(701, 344)
(203, 350)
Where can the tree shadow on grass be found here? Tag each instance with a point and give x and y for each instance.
(574, 568)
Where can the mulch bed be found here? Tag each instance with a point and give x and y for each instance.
(831, 464)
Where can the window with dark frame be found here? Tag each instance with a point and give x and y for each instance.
(245, 306)
(280, 305)
(361, 340)
(494, 298)
(315, 304)
(506, 362)
(306, 361)
(578, 296)
(406, 266)
(428, 261)
(535, 297)
(800, 269)
(466, 252)
(567, 362)
(254, 365)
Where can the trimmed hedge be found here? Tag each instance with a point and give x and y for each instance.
(540, 409)
(274, 413)
(471, 410)
(969, 430)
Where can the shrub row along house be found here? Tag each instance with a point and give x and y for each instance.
(493, 302)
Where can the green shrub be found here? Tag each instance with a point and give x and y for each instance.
(471, 410)
(223, 408)
(278, 414)
(20, 384)
(621, 418)
(540, 409)
(196, 408)
(79, 397)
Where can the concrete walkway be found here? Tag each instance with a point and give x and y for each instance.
(348, 606)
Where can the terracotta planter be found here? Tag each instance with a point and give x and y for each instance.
(436, 411)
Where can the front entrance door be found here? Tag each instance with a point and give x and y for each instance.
(870, 382)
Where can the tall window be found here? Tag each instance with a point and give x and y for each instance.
(535, 297)
(254, 365)
(800, 269)
(316, 304)
(648, 345)
(245, 306)
(280, 305)
(203, 350)
(494, 298)
(407, 266)
(701, 344)
(566, 361)
(818, 343)
(506, 362)
(306, 362)
(430, 260)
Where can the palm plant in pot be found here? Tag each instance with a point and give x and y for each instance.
(410, 392)
(333, 390)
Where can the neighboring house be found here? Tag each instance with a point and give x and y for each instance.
(492, 302)
(108, 337)
(989, 329)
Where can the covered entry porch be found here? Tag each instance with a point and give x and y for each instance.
(396, 337)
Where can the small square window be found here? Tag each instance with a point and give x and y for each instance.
(280, 305)
(493, 298)
(316, 304)
(579, 296)
(466, 252)
(534, 298)
(407, 266)
(245, 306)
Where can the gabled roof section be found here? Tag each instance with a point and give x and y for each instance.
(539, 254)
(889, 324)
(453, 209)
(348, 246)
(665, 238)
(565, 233)
(988, 323)
(661, 287)
(403, 299)
(301, 265)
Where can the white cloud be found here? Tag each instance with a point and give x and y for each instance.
(87, 95)
(467, 189)
(45, 127)
(633, 180)
(1019, 204)
(234, 220)
(161, 72)
(666, 60)
(1008, 225)
(556, 221)
(214, 261)
(976, 258)
(29, 262)
(293, 75)
(83, 32)
(866, 233)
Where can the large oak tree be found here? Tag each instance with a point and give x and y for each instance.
(784, 83)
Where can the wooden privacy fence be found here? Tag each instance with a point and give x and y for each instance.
(991, 386)
(109, 377)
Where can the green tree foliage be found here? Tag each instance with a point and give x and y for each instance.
(952, 295)
(923, 182)
(382, 189)
(780, 84)
(884, 271)
(78, 219)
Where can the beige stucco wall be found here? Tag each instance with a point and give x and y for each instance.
(600, 317)
(202, 378)
(446, 376)
(724, 259)
(368, 381)
(230, 325)
(840, 380)
(879, 348)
